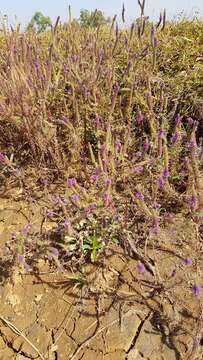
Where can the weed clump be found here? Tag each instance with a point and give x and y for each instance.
(115, 116)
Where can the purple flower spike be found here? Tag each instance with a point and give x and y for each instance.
(27, 267)
(75, 198)
(2, 158)
(107, 199)
(192, 144)
(198, 219)
(66, 224)
(162, 134)
(195, 124)
(20, 259)
(26, 229)
(139, 169)
(108, 182)
(139, 196)
(96, 175)
(138, 154)
(141, 268)
(190, 121)
(174, 138)
(156, 205)
(178, 120)
(98, 121)
(196, 290)
(65, 119)
(71, 182)
(43, 181)
(193, 203)
(165, 174)
(118, 145)
(50, 213)
(155, 42)
(146, 146)
(139, 118)
(161, 183)
(188, 262)
(116, 88)
(94, 178)
(54, 251)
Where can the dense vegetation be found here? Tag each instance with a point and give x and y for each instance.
(115, 116)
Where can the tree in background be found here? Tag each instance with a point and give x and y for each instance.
(93, 18)
(39, 22)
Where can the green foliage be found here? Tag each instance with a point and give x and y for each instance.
(92, 245)
(93, 19)
(39, 22)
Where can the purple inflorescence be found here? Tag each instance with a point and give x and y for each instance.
(66, 224)
(165, 174)
(71, 182)
(139, 118)
(188, 261)
(20, 259)
(161, 183)
(139, 169)
(118, 145)
(2, 158)
(196, 290)
(162, 134)
(54, 251)
(116, 88)
(108, 182)
(192, 144)
(75, 198)
(141, 268)
(146, 146)
(193, 203)
(26, 229)
(178, 120)
(139, 196)
(107, 199)
(50, 213)
(96, 175)
(156, 205)
(174, 138)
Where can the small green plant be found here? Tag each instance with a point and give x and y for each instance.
(92, 245)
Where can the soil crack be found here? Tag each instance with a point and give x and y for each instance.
(55, 354)
(10, 346)
(137, 333)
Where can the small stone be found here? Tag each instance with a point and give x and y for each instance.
(38, 298)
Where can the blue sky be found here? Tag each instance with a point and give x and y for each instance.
(24, 9)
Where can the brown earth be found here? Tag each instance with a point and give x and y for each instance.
(112, 313)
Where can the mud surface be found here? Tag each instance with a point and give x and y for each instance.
(107, 311)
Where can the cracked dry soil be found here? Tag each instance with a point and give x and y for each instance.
(116, 314)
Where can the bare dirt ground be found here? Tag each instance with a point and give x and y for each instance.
(108, 312)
